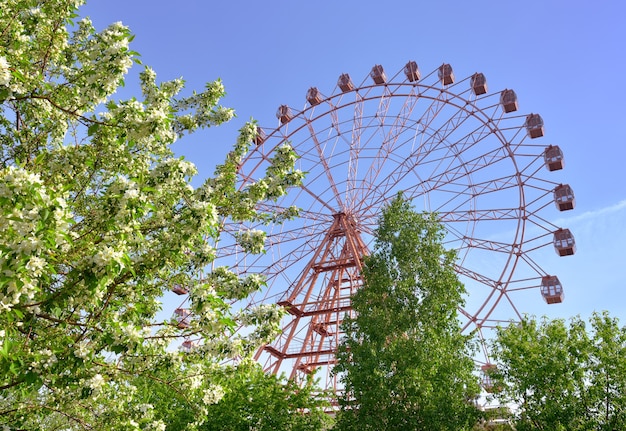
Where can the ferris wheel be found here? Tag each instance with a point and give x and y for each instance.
(449, 146)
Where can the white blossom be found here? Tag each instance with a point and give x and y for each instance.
(5, 72)
(81, 349)
(252, 241)
(213, 394)
(157, 426)
(96, 382)
(35, 265)
(106, 255)
(29, 245)
(195, 382)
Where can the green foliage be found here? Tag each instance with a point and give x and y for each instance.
(564, 376)
(487, 426)
(497, 418)
(100, 220)
(240, 398)
(404, 362)
(256, 400)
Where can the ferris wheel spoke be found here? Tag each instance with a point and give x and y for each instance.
(465, 170)
(480, 278)
(426, 155)
(389, 139)
(383, 107)
(355, 148)
(497, 184)
(494, 291)
(229, 248)
(499, 214)
(471, 243)
(445, 130)
(324, 160)
(293, 235)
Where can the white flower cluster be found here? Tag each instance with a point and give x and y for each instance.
(47, 360)
(96, 383)
(122, 204)
(201, 109)
(251, 283)
(5, 72)
(106, 255)
(31, 219)
(81, 350)
(173, 171)
(203, 297)
(213, 394)
(230, 286)
(204, 253)
(131, 334)
(223, 348)
(264, 320)
(222, 115)
(215, 89)
(17, 181)
(20, 38)
(107, 60)
(247, 133)
(252, 241)
(35, 265)
(262, 314)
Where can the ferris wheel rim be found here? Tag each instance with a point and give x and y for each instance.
(317, 216)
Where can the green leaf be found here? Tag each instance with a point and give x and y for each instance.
(93, 129)
(118, 348)
(18, 75)
(5, 351)
(31, 377)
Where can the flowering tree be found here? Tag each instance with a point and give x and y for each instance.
(98, 220)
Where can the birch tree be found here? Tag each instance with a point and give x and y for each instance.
(404, 362)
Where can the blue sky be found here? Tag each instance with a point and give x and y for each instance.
(563, 59)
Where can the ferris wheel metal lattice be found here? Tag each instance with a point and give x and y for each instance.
(452, 148)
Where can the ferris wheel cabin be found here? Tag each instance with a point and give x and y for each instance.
(182, 316)
(284, 114)
(478, 82)
(486, 379)
(187, 346)
(345, 83)
(564, 197)
(508, 100)
(378, 74)
(551, 289)
(553, 157)
(313, 96)
(180, 289)
(564, 243)
(260, 136)
(412, 71)
(534, 126)
(446, 76)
